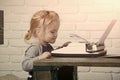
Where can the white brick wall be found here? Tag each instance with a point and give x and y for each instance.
(87, 18)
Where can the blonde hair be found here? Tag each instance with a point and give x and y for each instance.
(40, 19)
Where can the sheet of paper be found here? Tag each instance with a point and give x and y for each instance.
(72, 48)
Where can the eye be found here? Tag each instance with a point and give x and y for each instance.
(52, 32)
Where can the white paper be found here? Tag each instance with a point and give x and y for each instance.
(72, 48)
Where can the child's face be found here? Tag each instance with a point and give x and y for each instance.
(51, 33)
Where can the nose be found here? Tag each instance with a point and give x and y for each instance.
(55, 35)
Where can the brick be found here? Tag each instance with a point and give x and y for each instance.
(17, 43)
(68, 6)
(96, 34)
(11, 18)
(116, 76)
(26, 18)
(68, 3)
(116, 15)
(10, 50)
(2, 73)
(114, 35)
(73, 18)
(41, 2)
(25, 11)
(83, 34)
(115, 31)
(86, 2)
(112, 50)
(67, 27)
(6, 9)
(16, 58)
(105, 69)
(94, 76)
(22, 74)
(100, 17)
(12, 2)
(102, 2)
(13, 34)
(116, 43)
(10, 66)
(83, 69)
(92, 26)
(17, 27)
(86, 9)
(7, 26)
(108, 43)
(4, 58)
(60, 9)
(66, 9)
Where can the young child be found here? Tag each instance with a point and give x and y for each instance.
(43, 30)
(44, 26)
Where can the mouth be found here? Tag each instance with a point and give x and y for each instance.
(53, 40)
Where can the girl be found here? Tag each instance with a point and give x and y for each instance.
(44, 26)
(43, 30)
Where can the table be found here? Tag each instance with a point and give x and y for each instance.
(95, 62)
(92, 62)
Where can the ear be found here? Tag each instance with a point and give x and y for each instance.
(37, 30)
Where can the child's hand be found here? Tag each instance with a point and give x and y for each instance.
(45, 55)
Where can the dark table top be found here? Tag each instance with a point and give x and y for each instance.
(94, 62)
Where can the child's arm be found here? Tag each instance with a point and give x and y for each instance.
(44, 55)
(31, 54)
